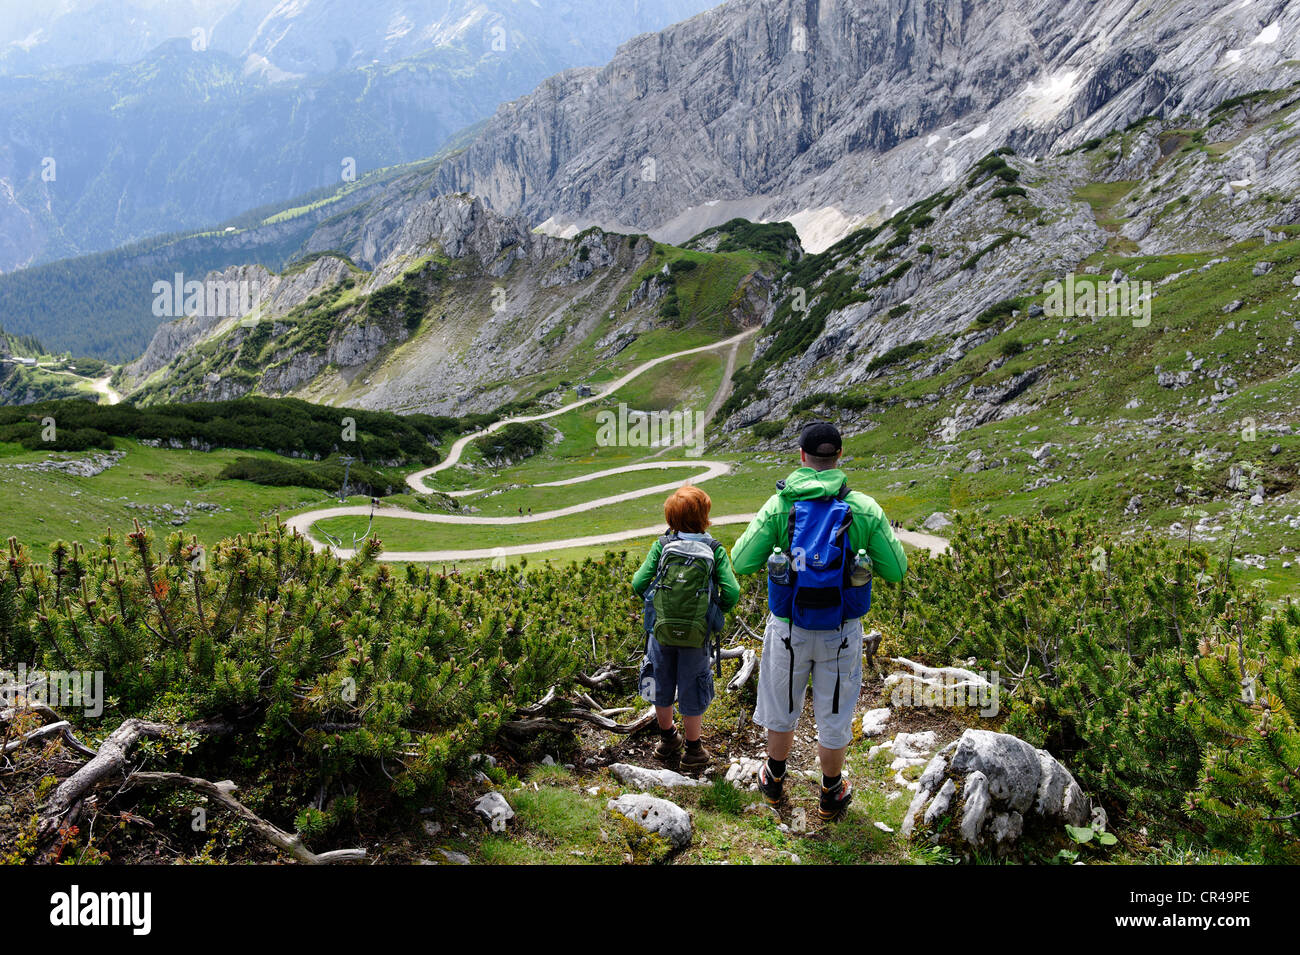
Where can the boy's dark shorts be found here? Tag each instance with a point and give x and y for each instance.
(681, 673)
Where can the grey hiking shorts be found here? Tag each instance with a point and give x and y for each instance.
(828, 657)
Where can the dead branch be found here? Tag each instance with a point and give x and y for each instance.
(641, 722)
(52, 718)
(108, 762)
(557, 723)
(748, 662)
(871, 644)
(222, 793)
(540, 706)
(607, 672)
(950, 677)
(36, 735)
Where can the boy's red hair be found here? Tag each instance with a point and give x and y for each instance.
(687, 510)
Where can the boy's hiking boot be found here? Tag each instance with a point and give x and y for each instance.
(835, 800)
(695, 758)
(770, 786)
(669, 747)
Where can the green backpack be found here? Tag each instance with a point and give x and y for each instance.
(681, 601)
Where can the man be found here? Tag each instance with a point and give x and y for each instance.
(832, 657)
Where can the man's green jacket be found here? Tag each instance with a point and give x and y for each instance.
(870, 530)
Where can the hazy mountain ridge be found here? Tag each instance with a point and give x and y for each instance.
(203, 127)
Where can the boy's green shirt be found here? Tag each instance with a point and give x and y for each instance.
(870, 530)
(724, 577)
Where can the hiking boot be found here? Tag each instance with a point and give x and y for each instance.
(834, 801)
(696, 758)
(771, 787)
(669, 748)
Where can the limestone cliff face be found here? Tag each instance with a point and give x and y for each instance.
(1173, 187)
(834, 113)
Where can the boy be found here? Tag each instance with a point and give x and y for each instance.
(676, 668)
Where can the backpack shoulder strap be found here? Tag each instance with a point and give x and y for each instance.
(843, 491)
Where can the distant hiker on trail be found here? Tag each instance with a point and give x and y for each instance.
(687, 584)
(819, 586)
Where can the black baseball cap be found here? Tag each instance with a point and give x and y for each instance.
(821, 438)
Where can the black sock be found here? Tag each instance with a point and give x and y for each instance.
(667, 733)
(776, 767)
(694, 743)
(829, 782)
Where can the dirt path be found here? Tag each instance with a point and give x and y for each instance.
(416, 480)
(302, 523)
(102, 386)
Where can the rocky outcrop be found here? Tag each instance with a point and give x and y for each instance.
(471, 302)
(248, 291)
(641, 778)
(996, 788)
(655, 815)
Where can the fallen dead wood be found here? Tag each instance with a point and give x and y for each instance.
(55, 725)
(945, 677)
(562, 722)
(748, 662)
(223, 793)
(35, 736)
(606, 673)
(109, 762)
(540, 706)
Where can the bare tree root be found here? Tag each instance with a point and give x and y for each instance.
(109, 762)
(222, 793)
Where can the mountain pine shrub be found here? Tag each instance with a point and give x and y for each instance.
(1125, 659)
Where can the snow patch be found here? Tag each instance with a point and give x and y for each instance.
(819, 229)
(554, 226)
(1045, 98)
(1269, 34)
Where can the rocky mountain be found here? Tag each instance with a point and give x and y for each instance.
(834, 114)
(35, 37)
(321, 36)
(1010, 224)
(239, 105)
(439, 304)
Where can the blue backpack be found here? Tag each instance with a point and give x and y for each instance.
(818, 593)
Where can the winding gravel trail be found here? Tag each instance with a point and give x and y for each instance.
(302, 523)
